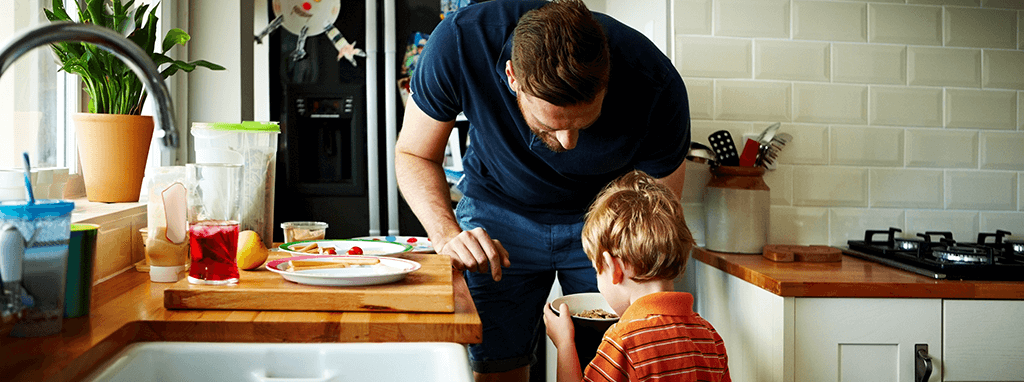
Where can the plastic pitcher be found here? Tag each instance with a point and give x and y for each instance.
(42, 230)
(254, 146)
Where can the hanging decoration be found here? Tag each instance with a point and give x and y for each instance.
(306, 18)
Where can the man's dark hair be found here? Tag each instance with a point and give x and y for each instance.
(560, 53)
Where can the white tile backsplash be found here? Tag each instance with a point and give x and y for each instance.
(962, 224)
(927, 66)
(906, 106)
(902, 24)
(981, 109)
(981, 190)
(810, 144)
(791, 60)
(942, 148)
(980, 28)
(830, 186)
(753, 100)
(1007, 221)
(780, 184)
(752, 18)
(1002, 151)
(700, 92)
(904, 113)
(828, 103)
(851, 223)
(869, 64)
(866, 146)
(830, 21)
(1002, 69)
(798, 225)
(692, 16)
(907, 188)
(700, 56)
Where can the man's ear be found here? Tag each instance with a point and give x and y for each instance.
(615, 265)
(511, 76)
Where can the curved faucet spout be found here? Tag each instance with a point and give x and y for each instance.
(126, 50)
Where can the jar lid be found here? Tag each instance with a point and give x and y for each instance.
(20, 209)
(247, 126)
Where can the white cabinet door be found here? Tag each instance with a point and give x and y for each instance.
(869, 340)
(984, 340)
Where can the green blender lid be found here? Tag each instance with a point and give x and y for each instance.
(247, 126)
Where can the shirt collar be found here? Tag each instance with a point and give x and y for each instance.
(661, 303)
(499, 67)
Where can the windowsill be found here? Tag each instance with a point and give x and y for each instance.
(99, 213)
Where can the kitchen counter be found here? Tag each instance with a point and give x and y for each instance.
(129, 308)
(853, 277)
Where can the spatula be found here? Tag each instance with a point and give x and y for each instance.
(724, 147)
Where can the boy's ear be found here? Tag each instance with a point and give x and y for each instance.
(615, 265)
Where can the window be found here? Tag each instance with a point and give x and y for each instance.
(37, 99)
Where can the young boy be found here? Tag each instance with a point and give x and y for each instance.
(638, 242)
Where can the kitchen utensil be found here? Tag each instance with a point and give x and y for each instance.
(428, 289)
(770, 152)
(701, 153)
(28, 180)
(768, 134)
(750, 153)
(724, 147)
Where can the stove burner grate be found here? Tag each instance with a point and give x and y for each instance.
(936, 254)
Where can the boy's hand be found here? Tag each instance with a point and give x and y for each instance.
(559, 327)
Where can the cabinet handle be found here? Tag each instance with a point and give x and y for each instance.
(922, 363)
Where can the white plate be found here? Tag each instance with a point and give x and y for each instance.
(419, 244)
(389, 270)
(369, 247)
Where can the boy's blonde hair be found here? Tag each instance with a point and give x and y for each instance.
(640, 221)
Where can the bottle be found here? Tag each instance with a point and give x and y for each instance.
(737, 204)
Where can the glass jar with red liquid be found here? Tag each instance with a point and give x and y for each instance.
(213, 216)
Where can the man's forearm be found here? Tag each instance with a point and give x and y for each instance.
(423, 185)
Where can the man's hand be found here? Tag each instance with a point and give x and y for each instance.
(474, 250)
(559, 328)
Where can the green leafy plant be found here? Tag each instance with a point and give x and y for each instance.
(112, 86)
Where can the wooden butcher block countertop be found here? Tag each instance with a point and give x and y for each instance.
(851, 277)
(129, 308)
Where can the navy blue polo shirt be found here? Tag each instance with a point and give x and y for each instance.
(644, 123)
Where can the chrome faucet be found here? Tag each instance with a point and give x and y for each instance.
(13, 299)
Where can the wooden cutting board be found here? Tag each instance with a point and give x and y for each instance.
(808, 253)
(428, 289)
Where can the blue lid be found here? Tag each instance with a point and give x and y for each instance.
(20, 209)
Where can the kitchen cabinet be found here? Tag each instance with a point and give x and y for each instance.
(770, 337)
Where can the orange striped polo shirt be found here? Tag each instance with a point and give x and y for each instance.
(660, 337)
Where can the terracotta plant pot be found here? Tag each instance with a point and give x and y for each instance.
(113, 149)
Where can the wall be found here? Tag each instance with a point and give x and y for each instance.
(905, 114)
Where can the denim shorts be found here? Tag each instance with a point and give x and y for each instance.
(511, 309)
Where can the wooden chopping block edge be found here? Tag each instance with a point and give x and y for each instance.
(807, 253)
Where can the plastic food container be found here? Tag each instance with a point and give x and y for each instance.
(254, 146)
(298, 231)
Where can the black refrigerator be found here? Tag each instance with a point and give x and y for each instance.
(325, 168)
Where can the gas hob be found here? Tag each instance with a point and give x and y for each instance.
(936, 254)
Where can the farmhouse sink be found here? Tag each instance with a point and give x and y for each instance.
(277, 362)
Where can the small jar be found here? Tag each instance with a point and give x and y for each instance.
(737, 203)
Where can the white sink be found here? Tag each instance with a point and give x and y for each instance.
(276, 362)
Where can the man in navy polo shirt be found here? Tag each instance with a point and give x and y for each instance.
(560, 102)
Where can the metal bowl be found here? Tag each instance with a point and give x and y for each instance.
(701, 153)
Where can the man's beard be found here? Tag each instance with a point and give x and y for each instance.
(546, 137)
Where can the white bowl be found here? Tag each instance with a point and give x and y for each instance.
(584, 301)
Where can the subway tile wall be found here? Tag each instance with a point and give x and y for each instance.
(905, 113)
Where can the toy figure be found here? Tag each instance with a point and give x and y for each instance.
(309, 18)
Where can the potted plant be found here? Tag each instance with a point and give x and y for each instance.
(114, 138)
